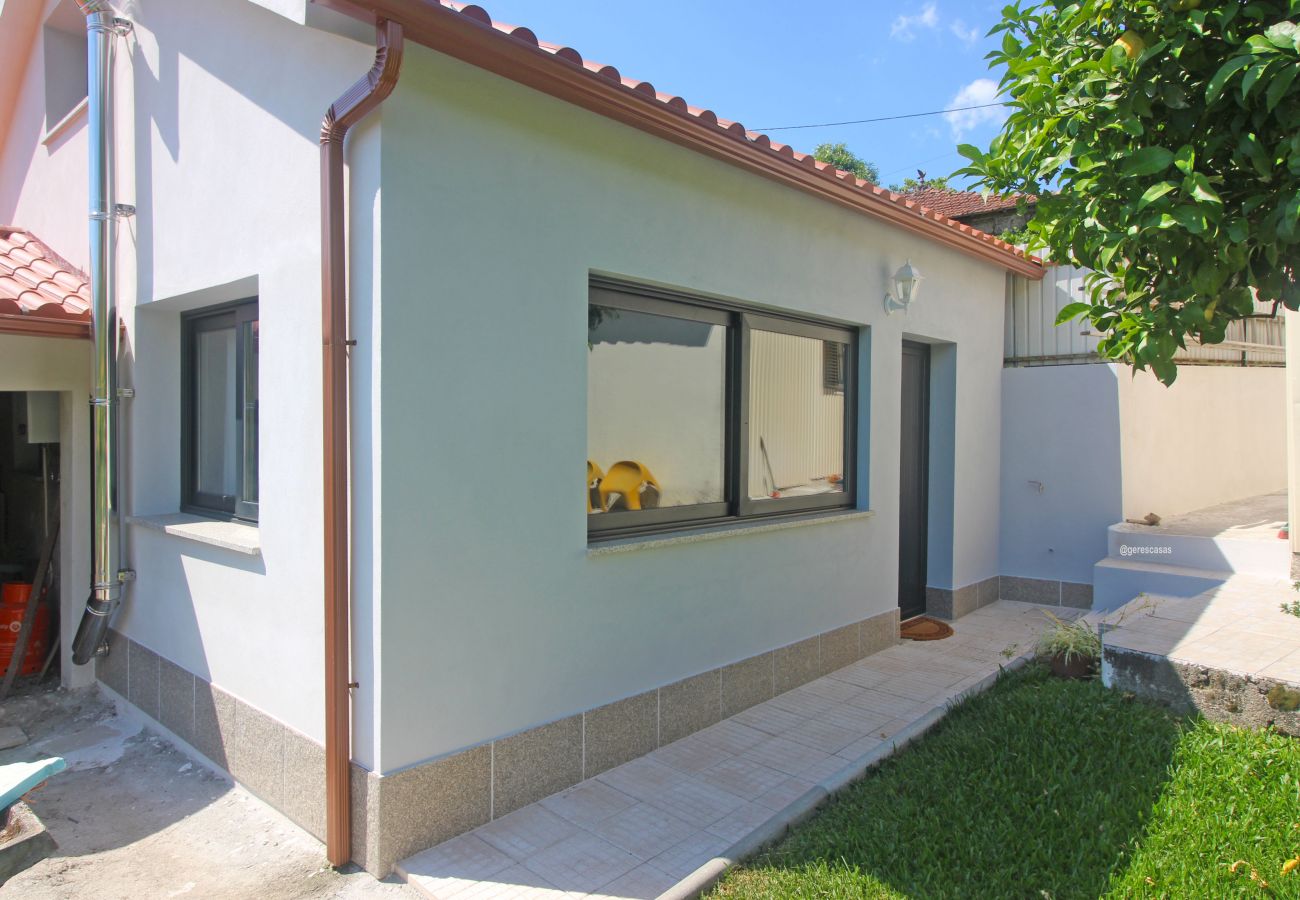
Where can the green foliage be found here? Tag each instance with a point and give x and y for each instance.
(1072, 640)
(1019, 236)
(841, 157)
(1167, 162)
(1048, 788)
(911, 185)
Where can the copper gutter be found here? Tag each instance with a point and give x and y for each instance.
(469, 35)
(347, 110)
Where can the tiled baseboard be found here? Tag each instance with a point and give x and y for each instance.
(950, 603)
(1049, 593)
(396, 815)
(280, 765)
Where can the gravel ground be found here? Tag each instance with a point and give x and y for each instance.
(136, 818)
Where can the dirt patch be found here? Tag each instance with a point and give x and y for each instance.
(136, 818)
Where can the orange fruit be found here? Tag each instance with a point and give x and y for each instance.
(1132, 43)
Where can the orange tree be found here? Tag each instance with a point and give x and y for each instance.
(1162, 138)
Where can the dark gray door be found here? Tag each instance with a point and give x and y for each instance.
(914, 480)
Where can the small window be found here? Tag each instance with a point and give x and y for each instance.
(219, 409)
(699, 412)
(64, 48)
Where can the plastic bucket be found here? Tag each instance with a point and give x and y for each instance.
(13, 603)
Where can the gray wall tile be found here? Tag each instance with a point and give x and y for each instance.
(618, 732)
(257, 754)
(214, 722)
(426, 805)
(1076, 595)
(965, 600)
(989, 590)
(1031, 590)
(746, 683)
(142, 679)
(365, 820)
(112, 669)
(176, 700)
(840, 647)
(304, 782)
(689, 705)
(797, 664)
(879, 632)
(535, 763)
(938, 602)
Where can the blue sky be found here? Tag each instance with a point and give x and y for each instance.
(769, 63)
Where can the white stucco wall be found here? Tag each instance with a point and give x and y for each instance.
(1062, 479)
(1108, 444)
(498, 204)
(1218, 433)
(220, 104)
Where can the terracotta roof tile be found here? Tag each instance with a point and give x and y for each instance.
(706, 118)
(955, 204)
(38, 284)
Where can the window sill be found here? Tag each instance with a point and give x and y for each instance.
(74, 115)
(237, 536)
(731, 529)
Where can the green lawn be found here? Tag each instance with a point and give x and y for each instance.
(1044, 788)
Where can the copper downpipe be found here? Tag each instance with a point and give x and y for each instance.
(350, 108)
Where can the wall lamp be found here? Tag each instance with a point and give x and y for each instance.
(907, 281)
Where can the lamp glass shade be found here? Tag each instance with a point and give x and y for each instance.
(907, 280)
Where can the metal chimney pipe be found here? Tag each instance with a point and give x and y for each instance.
(102, 28)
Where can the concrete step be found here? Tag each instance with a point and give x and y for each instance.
(1219, 553)
(1117, 581)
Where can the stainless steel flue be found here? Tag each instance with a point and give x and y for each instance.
(102, 30)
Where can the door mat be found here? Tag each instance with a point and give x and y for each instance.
(923, 628)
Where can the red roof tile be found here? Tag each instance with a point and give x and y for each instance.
(886, 204)
(955, 204)
(40, 291)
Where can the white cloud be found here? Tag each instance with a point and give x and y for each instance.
(967, 36)
(904, 27)
(977, 93)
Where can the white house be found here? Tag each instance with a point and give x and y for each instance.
(371, 588)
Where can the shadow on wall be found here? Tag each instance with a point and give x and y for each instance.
(274, 82)
(1062, 483)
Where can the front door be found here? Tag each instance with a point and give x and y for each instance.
(914, 480)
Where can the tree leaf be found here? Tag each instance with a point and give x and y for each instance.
(1280, 84)
(1147, 161)
(1226, 71)
(1185, 159)
(1071, 311)
(1154, 193)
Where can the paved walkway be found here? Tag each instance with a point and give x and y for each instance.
(1236, 627)
(637, 830)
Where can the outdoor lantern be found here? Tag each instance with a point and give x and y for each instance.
(907, 281)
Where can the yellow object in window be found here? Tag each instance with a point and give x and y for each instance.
(594, 476)
(632, 482)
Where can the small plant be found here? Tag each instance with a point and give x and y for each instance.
(1070, 641)
(1291, 609)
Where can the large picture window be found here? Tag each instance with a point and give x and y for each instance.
(219, 411)
(700, 412)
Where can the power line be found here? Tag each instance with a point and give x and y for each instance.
(936, 112)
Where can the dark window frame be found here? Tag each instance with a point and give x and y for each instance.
(740, 321)
(236, 315)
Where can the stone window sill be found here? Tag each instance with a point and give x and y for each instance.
(239, 537)
(736, 529)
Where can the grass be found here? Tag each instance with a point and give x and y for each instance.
(1049, 789)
